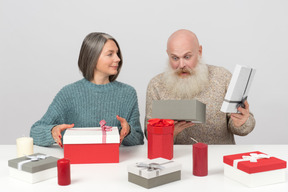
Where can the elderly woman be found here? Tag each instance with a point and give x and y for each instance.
(95, 97)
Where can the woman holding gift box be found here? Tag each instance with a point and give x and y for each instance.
(97, 96)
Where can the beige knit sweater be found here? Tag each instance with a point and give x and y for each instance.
(219, 128)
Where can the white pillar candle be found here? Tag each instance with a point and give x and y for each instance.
(24, 146)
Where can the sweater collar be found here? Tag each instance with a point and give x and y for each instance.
(103, 87)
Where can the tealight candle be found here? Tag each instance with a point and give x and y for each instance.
(63, 167)
(24, 146)
(200, 159)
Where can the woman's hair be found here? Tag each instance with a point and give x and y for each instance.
(90, 52)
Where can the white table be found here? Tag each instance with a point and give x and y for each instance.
(114, 177)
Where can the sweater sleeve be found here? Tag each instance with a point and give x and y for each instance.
(41, 130)
(244, 129)
(136, 134)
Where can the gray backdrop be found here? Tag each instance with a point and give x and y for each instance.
(40, 43)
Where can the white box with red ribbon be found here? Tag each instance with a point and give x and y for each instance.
(92, 145)
(254, 169)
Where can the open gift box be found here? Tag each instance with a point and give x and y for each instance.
(33, 168)
(91, 145)
(254, 168)
(153, 173)
(187, 110)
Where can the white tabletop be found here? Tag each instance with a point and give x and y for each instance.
(114, 177)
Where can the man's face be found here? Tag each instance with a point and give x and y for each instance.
(183, 56)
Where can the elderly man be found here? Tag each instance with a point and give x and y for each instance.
(188, 77)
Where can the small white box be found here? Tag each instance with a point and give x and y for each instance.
(41, 168)
(238, 88)
(159, 171)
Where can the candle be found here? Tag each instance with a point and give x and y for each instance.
(63, 167)
(200, 159)
(24, 146)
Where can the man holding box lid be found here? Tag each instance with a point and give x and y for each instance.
(188, 77)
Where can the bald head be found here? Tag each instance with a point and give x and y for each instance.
(183, 35)
(183, 50)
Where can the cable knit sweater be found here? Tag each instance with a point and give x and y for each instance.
(219, 128)
(85, 104)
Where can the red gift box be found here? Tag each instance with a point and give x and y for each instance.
(262, 164)
(254, 169)
(91, 145)
(160, 138)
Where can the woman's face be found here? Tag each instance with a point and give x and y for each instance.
(108, 61)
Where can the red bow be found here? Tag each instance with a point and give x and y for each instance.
(104, 126)
(161, 122)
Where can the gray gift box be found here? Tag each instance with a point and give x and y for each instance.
(188, 110)
(33, 170)
(148, 177)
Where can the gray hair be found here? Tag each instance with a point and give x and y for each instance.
(90, 52)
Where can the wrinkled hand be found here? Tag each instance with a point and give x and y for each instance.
(57, 130)
(179, 126)
(125, 128)
(240, 118)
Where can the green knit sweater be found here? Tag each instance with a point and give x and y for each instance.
(85, 104)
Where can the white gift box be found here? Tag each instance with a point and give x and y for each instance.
(154, 172)
(238, 88)
(91, 145)
(254, 169)
(33, 168)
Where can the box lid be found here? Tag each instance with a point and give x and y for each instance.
(91, 135)
(262, 164)
(166, 166)
(160, 126)
(188, 110)
(33, 166)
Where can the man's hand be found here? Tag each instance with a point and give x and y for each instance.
(179, 126)
(240, 118)
(57, 130)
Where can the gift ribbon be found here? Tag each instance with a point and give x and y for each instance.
(151, 167)
(161, 122)
(104, 129)
(31, 158)
(239, 103)
(252, 158)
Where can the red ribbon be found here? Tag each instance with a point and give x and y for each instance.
(104, 128)
(161, 122)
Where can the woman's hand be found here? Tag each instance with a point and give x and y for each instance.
(57, 130)
(125, 128)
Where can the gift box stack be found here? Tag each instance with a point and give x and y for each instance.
(92, 145)
(254, 168)
(33, 168)
(153, 173)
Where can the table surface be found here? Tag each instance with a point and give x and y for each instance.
(114, 177)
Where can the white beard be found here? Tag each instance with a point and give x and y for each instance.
(189, 87)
